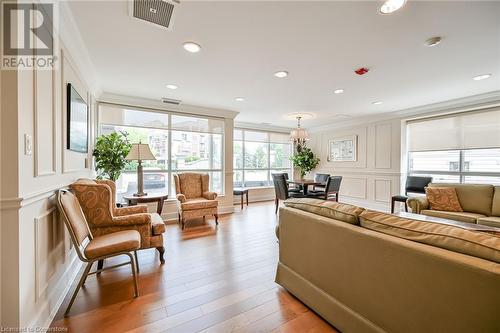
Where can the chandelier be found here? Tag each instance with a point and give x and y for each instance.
(299, 135)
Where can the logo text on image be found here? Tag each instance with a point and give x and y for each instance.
(27, 35)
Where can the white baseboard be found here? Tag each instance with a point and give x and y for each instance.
(66, 280)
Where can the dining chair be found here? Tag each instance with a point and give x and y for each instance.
(295, 189)
(281, 189)
(91, 249)
(320, 178)
(332, 189)
(414, 184)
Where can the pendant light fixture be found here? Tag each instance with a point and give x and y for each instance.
(299, 135)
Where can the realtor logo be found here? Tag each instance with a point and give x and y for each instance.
(27, 35)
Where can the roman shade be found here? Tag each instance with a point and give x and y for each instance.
(118, 115)
(468, 130)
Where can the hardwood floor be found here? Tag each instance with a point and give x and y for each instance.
(213, 281)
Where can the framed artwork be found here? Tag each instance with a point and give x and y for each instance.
(77, 121)
(343, 149)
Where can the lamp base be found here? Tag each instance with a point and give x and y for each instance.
(139, 194)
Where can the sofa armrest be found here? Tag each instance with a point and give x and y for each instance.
(209, 195)
(128, 220)
(130, 210)
(181, 197)
(417, 204)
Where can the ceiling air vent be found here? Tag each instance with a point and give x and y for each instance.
(157, 12)
(171, 101)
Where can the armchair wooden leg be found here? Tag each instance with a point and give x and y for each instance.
(276, 202)
(136, 260)
(216, 219)
(392, 206)
(161, 251)
(80, 283)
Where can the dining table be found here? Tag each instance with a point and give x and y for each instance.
(305, 183)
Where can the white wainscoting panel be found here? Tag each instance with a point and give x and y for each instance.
(383, 146)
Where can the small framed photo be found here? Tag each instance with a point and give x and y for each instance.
(343, 149)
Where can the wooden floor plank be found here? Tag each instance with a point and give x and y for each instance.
(214, 280)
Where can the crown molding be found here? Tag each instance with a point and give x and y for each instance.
(469, 103)
(158, 105)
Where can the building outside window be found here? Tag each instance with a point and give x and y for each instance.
(258, 154)
(180, 144)
(463, 148)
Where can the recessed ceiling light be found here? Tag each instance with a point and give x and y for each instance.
(433, 41)
(281, 74)
(338, 91)
(390, 6)
(481, 77)
(239, 99)
(172, 86)
(377, 103)
(192, 47)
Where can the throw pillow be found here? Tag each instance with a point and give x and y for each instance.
(443, 198)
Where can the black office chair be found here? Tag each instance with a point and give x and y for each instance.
(281, 189)
(414, 184)
(332, 189)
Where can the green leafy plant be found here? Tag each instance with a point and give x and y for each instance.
(110, 152)
(304, 159)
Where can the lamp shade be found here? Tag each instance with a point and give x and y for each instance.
(299, 134)
(140, 151)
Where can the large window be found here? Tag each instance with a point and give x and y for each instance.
(179, 143)
(257, 154)
(464, 148)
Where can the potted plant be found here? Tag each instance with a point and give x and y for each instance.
(110, 152)
(304, 159)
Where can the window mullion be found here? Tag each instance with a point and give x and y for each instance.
(169, 156)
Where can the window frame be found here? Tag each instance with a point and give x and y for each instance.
(461, 173)
(169, 170)
(268, 168)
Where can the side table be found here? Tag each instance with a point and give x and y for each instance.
(153, 197)
(241, 191)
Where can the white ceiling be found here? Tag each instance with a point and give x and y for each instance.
(319, 43)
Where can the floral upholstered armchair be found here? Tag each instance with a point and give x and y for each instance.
(195, 200)
(97, 199)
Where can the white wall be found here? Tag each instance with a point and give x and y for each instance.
(375, 176)
(37, 261)
(380, 169)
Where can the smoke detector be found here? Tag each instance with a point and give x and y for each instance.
(159, 13)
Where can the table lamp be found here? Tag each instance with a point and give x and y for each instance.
(140, 152)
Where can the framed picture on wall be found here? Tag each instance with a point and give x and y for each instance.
(77, 121)
(343, 149)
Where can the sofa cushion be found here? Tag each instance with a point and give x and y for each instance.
(492, 221)
(443, 198)
(198, 203)
(456, 216)
(334, 210)
(454, 238)
(473, 198)
(495, 208)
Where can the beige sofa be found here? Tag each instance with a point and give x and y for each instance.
(481, 204)
(347, 265)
